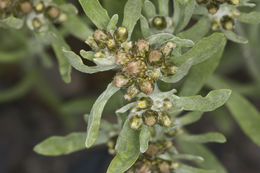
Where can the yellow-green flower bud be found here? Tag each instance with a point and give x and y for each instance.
(145, 102)
(111, 44)
(100, 36)
(131, 92)
(164, 119)
(122, 58)
(227, 22)
(154, 73)
(121, 34)
(159, 22)
(212, 8)
(169, 69)
(233, 2)
(36, 23)
(92, 43)
(167, 48)
(167, 105)
(127, 46)
(150, 117)
(146, 85)
(136, 122)
(39, 8)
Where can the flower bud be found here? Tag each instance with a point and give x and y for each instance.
(5, 4)
(164, 119)
(152, 150)
(159, 22)
(142, 47)
(145, 102)
(233, 2)
(92, 43)
(131, 92)
(167, 48)
(127, 46)
(62, 17)
(146, 85)
(111, 44)
(150, 117)
(36, 23)
(121, 81)
(175, 165)
(155, 57)
(167, 105)
(215, 25)
(202, 1)
(227, 22)
(169, 69)
(135, 122)
(122, 58)
(121, 34)
(212, 8)
(26, 7)
(135, 68)
(52, 12)
(154, 73)
(164, 167)
(39, 8)
(100, 36)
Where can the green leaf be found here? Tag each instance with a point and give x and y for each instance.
(144, 27)
(177, 13)
(96, 13)
(163, 7)
(234, 37)
(96, 113)
(144, 138)
(149, 9)
(120, 112)
(204, 138)
(197, 31)
(210, 162)
(77, 27)
(251, 18)
(59, 145)
(127, 156)
(188, 157)
(212, 101)
(12, 22)
(112, 23)
(188, 169)
(12, 57)
(89, 55)
(77, 63)
(189, 118)
(161, 38)
(132, 13)
(246, 115)
(187, 14)
(203, 49)
(199, 73)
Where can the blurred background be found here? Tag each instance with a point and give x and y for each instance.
(44, 106)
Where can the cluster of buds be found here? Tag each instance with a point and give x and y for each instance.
(214, 5)
(111, 144)
(150, 162)
(140, 65)
(38, 12)
(146, 113)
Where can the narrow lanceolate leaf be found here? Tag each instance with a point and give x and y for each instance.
(132, 13)
(212, 101)
(96, 13)
(144, 27)
(144, 138)
(149, 9)
(12, 22)
(161, 38)
(96, 113)
(163, 7)
(127, 156)
(247, 116)
(180, 74)
(61, 145)
(76, 62)
(177, 14)
(204, 138)
(203, 49)
(189, 118)
(89, 55)
(234, 37)
(197, 31)
(188, 157)
(187, 13)
(112, 23)
(57, 44)
(188, 169)
(211, 162)
(199, 73)
(251, 18)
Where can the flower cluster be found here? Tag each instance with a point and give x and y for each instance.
(222, 13)
(150, 111)
(151, 160)
(37, 13)
(140, 65)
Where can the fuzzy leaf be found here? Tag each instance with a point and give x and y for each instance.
(77, 63)
(89, 55)
(251, 18)
(149, 9)
(234, 37)
(163, 7)
(12, 22)
(96, 113)
(177, 13)
(132, 13)
(127, 156)
(61, 145)
(112, 23)
(246, 115)
(212, 101)
(96, 13)
(188, 169)
(189, 118)
(204, 138)
(174, 157)
(144, 138)
(144, 27)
